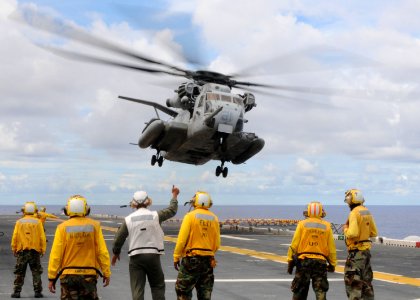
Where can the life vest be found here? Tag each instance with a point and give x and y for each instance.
(204, 234)
(78, 249)
(144, 232)
(365, 223)
(314, 239)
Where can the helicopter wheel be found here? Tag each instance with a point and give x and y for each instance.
(160, 161)
(225, 172)
(154, 160)
(218, 170)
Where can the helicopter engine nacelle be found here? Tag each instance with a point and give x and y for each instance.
(249, 101)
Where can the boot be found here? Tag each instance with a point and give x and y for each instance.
(39, 295)
(15, 295)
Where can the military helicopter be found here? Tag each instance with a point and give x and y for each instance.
(207, 125)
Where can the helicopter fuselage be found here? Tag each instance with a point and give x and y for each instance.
(210, 130)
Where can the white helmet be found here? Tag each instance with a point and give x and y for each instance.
(29, 208)
(202, 200)
(141, 198)
(354, 196)
(77, 206)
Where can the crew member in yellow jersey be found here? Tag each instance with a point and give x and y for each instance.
(28, 245)
(358, 230)
(198, 241)
(78, 254)
(313, 253)
(42, 215)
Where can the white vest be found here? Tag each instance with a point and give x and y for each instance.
(144, 232)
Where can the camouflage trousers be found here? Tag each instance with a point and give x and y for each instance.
(78, 287)
(33, 259)
(358, 276)
(195, 272)
(310, 269)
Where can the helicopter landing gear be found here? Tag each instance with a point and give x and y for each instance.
(157, 159)
(221, 170)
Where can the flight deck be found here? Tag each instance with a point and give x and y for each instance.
(250, 266)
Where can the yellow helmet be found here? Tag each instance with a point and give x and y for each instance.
(314, 210)
(354, 196)
(76, 206)
(29, 208)
(202, 200)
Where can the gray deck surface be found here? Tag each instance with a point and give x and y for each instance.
(237, 276)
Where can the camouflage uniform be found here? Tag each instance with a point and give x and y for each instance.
(24, 258)
(307, 269)
(358, 275)
(78, 287)
(195, 271)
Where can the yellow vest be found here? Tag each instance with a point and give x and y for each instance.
(313, 238)
(361, 226)
(28, 234)
(79, 243)
(199, 234)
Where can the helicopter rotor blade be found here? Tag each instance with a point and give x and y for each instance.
(317, 58)
(48, 23)
(104, 61)
(347, 93)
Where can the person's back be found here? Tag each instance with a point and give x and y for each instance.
(313, 253)
(28, 244)
(78, 254)
(145, 244)
(197, 243)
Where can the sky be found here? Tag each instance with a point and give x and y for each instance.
(63, 130)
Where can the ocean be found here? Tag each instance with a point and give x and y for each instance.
(397, 222)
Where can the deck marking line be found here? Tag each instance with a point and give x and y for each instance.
(236, 237)
(393, 278)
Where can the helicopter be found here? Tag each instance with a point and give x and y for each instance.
(207, 125)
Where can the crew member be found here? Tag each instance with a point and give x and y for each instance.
(360, 226)
(313, 253)
(145, 242)
(198, 241)
(78, 254)
(28, 245)
(42, 215)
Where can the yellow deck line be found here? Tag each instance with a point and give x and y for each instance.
(393, 278)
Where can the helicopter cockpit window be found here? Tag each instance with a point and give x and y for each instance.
(212, 96)
(226, 98)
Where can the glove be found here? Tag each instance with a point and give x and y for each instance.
(176, 265)
(330, 268)
(290, 266)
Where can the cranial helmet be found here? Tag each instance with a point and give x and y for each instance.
(315, 210)
(141, 198)
(76, 206)
(29, 208)
(354, 196)
(202, 200)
